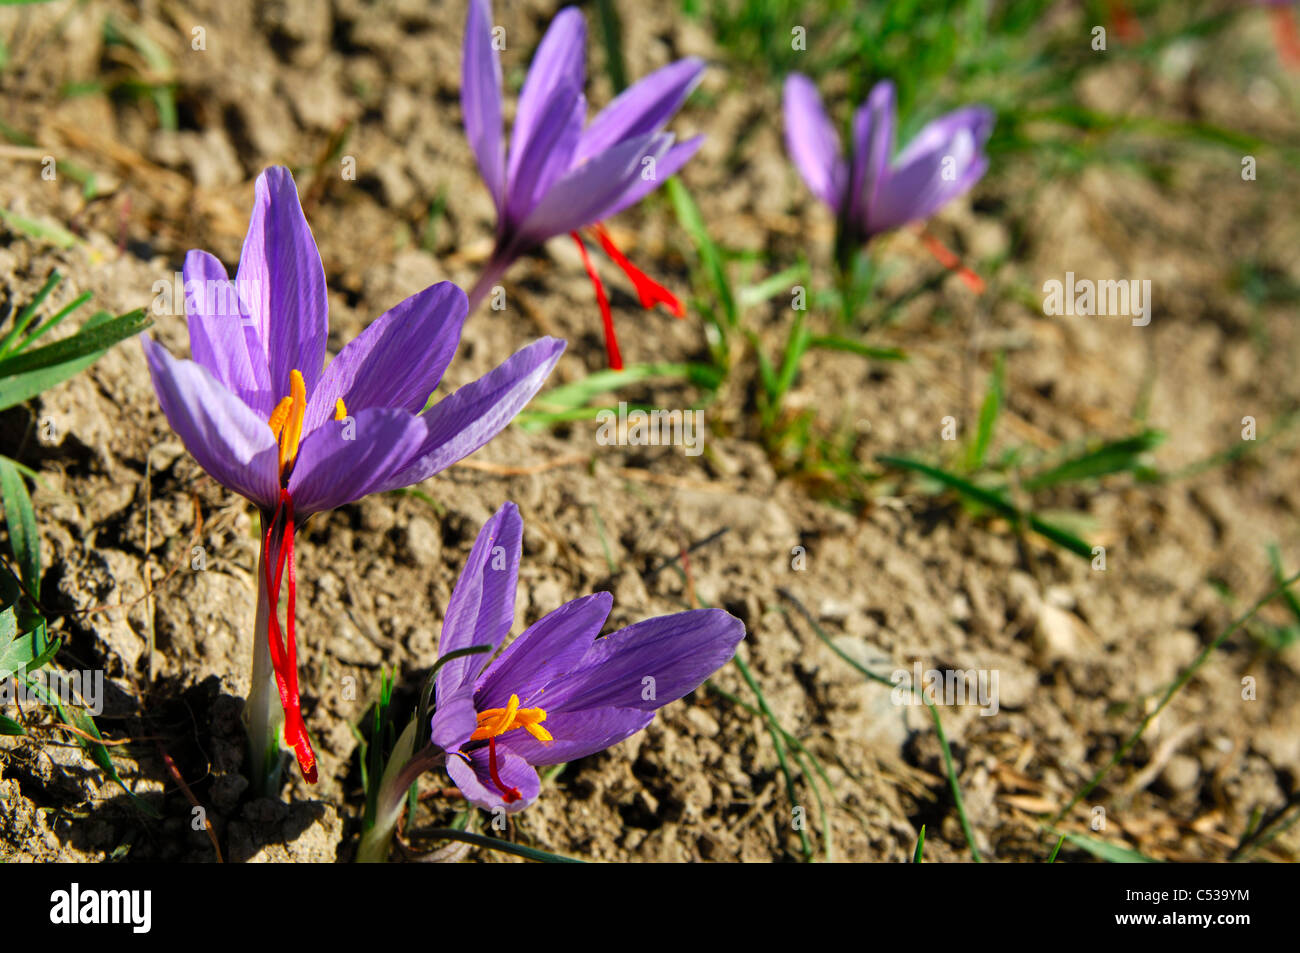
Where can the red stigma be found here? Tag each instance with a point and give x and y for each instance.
(648, 290)
(508, 793)
(1287, 37)
(952, 262)
(611, 339)
(284, 659)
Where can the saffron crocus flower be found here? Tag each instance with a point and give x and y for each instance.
(562, 174)
(557, 692)
(259, 411)
(872, 192)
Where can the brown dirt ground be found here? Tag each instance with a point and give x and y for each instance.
(1080, 653)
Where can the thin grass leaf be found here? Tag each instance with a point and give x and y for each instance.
(20, 519)
(1056, 850)
(836, 342)
(56, 235)
(95, 336)
(688, 216)
(1105, 850)
(988, 418)
(920, 846)
(10, 727)
(28, 312)
(26, 385)
(1115, 456)
(783, 281)
(774, 732)
(503, 846)
(54, 322)
(580, 393)
(993, 501)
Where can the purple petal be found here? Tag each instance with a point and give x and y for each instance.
(281, 275)
(475, 779)
(231, 442)
(649, 664)
(665, 169)
(548, 154)
(811, 141)
(454, 720)
(482, 605)
(550, 648)
(460, 424)
(873, 145)
(342, 461)
(644, 107)
(590, 192)
(480, 99)
(395, 362)
(559, 62)
(220, 337)
(576, 734)
(916, 187)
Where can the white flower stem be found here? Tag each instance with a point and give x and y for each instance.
(399, 774)
(263, 715)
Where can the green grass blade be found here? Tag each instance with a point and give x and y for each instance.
(989, 410)
(1115, 456)
(503, 846)
(836, 342)
(26, 315)
(993, 501)
(689, 217)
(89, 340)
(1105, 850)
(20, 519)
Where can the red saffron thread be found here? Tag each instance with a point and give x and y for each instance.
(510, 794)
(606, 316)
(285, 660)
(648, 290)
(952, 262)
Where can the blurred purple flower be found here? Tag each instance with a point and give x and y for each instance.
(557, 693)
(868, 192)
(562, 173)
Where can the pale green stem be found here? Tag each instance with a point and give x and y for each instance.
(399, 775)
(263, 715)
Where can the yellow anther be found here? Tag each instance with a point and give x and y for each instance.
(340, 409)
(280, 415)
(497, 721)
(286, 419)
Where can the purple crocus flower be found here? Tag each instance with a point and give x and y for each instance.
(868, 192)
(557, 693)
(259, 411)
(563, 174)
